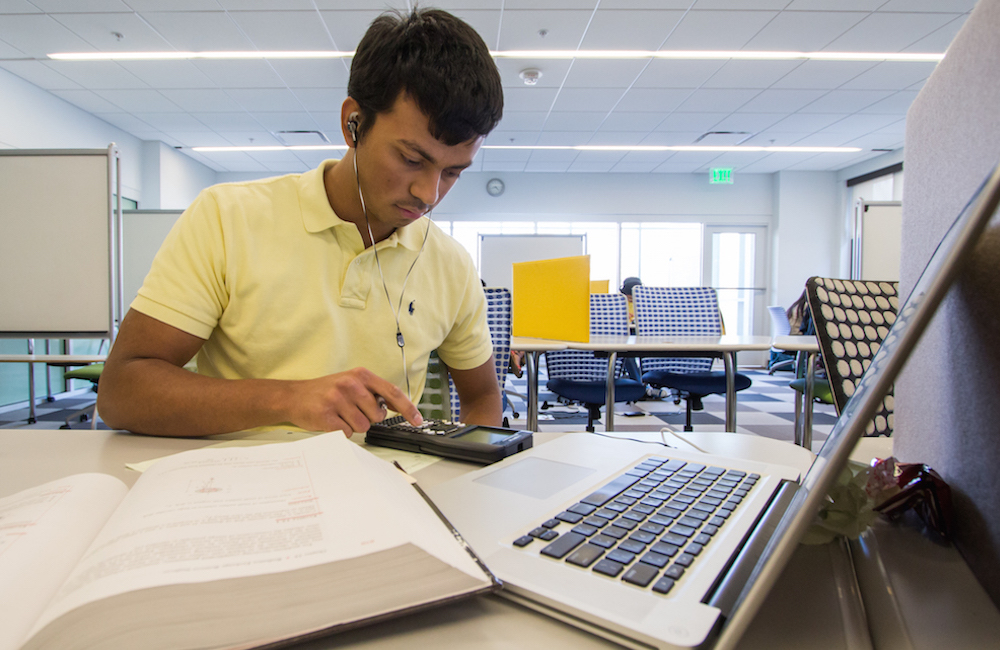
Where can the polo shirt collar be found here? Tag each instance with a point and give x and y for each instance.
(318, 215)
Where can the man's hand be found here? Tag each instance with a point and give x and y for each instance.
(347, 401)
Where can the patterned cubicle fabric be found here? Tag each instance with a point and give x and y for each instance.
(608, 316)
(852, 318)
(676, 311)
(498, 310)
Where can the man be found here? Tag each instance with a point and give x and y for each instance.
(296, 318)
(627, 286)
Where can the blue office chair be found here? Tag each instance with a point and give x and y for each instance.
(682, 311)
(580, 376)
(498, 310)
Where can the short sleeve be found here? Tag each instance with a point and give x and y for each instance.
(186, 284)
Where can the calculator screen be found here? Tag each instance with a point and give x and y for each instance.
(487, 436)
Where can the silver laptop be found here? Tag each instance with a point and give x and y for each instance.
(656, 547)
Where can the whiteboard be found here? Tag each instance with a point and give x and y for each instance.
(877, 240)
(498, 252)
(57, 244)
(143, 232)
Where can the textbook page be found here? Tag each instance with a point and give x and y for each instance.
(216, 514)
(43, 533)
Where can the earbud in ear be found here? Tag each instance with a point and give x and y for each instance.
(352, 126)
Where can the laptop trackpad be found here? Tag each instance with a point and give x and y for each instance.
(536, 477)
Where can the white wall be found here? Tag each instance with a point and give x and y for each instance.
(153, 174)
(807, 231)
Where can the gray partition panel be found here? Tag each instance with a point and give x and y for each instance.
(57, 249)
(143, 231)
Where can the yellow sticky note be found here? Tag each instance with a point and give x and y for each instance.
(551, 299)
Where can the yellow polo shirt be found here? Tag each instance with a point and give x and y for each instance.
(281, 288)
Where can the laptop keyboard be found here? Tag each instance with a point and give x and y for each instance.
(647, 526)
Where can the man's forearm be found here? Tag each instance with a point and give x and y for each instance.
(155, 397)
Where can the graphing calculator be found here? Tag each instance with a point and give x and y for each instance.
(474, 443)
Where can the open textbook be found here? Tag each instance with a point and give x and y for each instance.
(225, 548)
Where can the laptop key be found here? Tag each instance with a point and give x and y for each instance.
(585, 555)
(609, 567)
(551, 523)
(702, 539)
(664, 585)
(569, 517)
(610, 490)
(655, 559)
(523, 540)
(563, 545)
(681, 529)
(690, 522)
(581, 509)
(674, 538)
(663, 548)
(684, 559)
(604, 541)
(621, 557)
(640, 574)
(543, 533)
(632, 546)
(584, 529)
(674, 571)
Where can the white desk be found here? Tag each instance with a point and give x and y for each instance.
(809, 345)
(725, 346)
(809, 587)
(32, 359)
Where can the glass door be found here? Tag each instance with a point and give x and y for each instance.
(735, 264)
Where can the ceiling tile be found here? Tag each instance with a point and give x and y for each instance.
(661, 73)
(264, 99)
(198, 31)
(320, 99)
(590, 73)
(140, 100)
(168, 74)
(227, 122)
(891, 75)
(717, 100)
(717, 30)
(654, 99)
(313, 73)
(97, 75)
(284, 30)
(37, 35)
(630, 30)
(208, 100)
(241, 74)
(750, 74)
(804, 31)
(114, 32)
(780, 99)
(824, 74)
(845, 101)
(574, 121)
(892, 32)
(87, 100)
(520, 29)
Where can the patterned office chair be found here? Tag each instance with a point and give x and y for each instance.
(580, 376)
(682, 311)
(851, 319)
(440, 399)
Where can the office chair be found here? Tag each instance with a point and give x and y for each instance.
(91, 373)
(580, 376)
(440, 399)
(780, 360)
(851, 319)
(682, 311)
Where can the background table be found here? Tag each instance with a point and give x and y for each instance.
(725, 346)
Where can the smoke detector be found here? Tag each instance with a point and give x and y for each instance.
(530, 76)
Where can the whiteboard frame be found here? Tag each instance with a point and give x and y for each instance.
(113, 295)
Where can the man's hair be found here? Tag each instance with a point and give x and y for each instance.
(436, 59)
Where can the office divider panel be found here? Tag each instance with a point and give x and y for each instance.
(143, 231)
(58, 249)
(498, 252)
(878, 235)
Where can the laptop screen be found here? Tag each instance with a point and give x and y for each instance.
(912, 319)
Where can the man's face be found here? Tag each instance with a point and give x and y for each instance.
(404, 170)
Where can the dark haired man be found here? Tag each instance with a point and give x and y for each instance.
(313, 300)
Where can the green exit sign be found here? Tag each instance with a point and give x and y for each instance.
(721, 175)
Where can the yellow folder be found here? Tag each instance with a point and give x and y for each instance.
(599, 286)
(551, 299)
